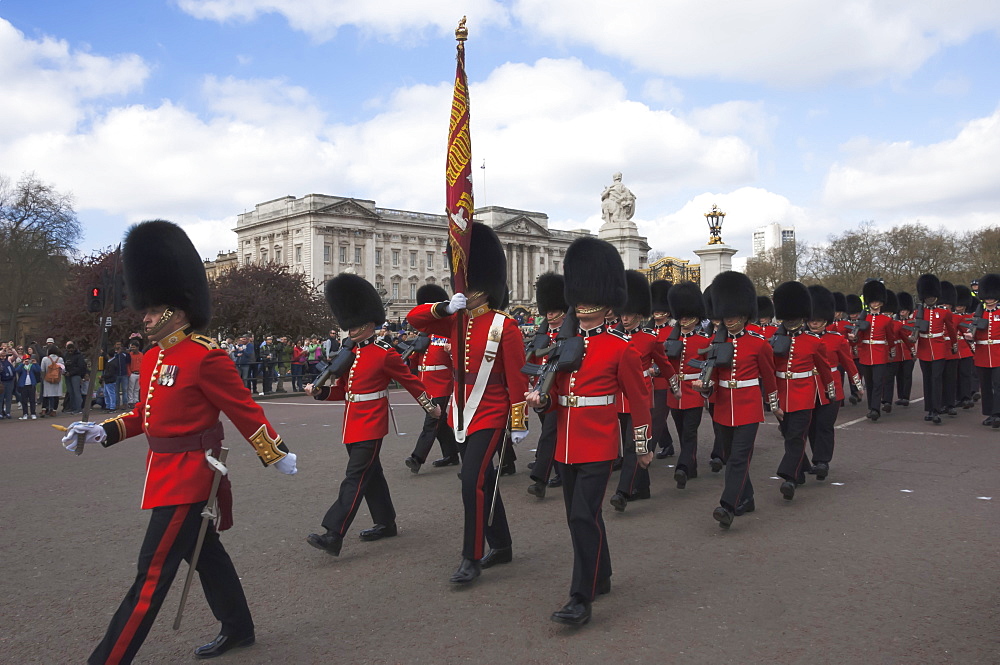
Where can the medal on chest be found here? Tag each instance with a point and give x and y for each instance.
(168, 375)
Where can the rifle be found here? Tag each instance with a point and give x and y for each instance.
(539, 347)
(719, 354)
(340, 363)
(977, 322)
(674, 346)
(858, 326)
(565, 355)
(920, 324)
(418, 345)
(781, 343)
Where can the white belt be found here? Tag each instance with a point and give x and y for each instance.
(873, 341)
(931, 335)
(749, 383)
(366, 397)
(431, 368)
(691, 377)
(579, 400)
(793, 375)
(648, 372)
(988, 341)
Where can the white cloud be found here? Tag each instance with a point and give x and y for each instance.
(390, 19)
(742, 118)
(953, 177)
(662, 92)
(782, 42)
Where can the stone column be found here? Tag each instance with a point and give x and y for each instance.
(714, 260)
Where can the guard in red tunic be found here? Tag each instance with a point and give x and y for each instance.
(364, 387)
(874, 336)
(745, 363)
(905, 348)
(986, 337)
(892, 368)
(551, 300)
(933, 326)
(435, 372)
(185, 381)
(662, 442)
(838, 352)
(494, 394)
(949, 387)
(965, 309)
(799, 358)
(584, 400)
(687, 304)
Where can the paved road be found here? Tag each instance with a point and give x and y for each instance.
(893, 559)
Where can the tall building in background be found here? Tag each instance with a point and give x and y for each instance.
(771, 236)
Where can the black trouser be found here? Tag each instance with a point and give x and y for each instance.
(364, 478)
(989, 388)
(737, 448)
(933, 373)
(687, 422)
(436, 428)
(966, 377)
(949, 387)
(889, 383)
(479, 477)
(904, 379)
(170, 538)
(821, 433)
(584, 486)
(546, 451)
(658, 420)
(718, 450)
(268, 371)
(874, 376)
(793, 428)
(633, 477)
(27, 394)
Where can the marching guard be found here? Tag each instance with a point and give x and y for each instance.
(662, 441)
(366, 369)
(965, 308)
(185, 381)
(987, 340)
(874, 335)
(906, 348)
(933, 326)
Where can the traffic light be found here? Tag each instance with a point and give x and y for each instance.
(95, 299)
(120, 296)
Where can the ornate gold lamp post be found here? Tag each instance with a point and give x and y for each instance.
(714, 218)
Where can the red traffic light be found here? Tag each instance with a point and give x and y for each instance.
(95, 292)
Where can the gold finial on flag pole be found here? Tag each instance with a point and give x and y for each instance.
(461, 33)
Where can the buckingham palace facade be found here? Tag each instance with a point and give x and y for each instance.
(398, 250)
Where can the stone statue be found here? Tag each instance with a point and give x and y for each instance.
(617, 201)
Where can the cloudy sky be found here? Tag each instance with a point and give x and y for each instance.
(817, 114)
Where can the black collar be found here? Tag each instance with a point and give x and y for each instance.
(370, 340)
(593, 331)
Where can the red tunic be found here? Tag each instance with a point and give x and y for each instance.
(376, 363)
(435, 368)
(951, 336)
(838, 352)
(988, 341)
(660, 381)
(611, 366)
(752, 367)
(204, 382)
(806, 359)
(694, 342)
(934, 344)
(506, 384)
(651, 352)
(874, 343)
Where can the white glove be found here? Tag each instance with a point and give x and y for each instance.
(94, 434)
(517, 436)
(458, 301)
(287, 464)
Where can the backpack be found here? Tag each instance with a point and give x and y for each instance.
(7, 372)
(54, 373)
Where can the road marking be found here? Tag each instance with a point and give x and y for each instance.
(985, 498)
(910, 491)
(956, 436)
(837, 484)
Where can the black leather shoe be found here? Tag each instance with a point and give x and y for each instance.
(508, 470)
(887, 407)
(854, 399)
(531, 465)
(936, 419)
(619, 501)
(996, 423)
(822, 470)
(555, 481)
(976, 396)
(787, 490)
(873, 415)
(902, 402)
(497, 556)
(681, 477)
(574, 613)
(222, 644)
(639, 494)
(967, 403)
(412, 463)
(670, 450)
(988, 422)
(745, 506)
(329, 542)
(715, 464)
(661, 453)
(603, 586)
(950, 410)
(379, 531)
(537, 489)
(467, 571)
(723, 517)
(446, 461)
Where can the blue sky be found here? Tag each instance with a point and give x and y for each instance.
(814, 114)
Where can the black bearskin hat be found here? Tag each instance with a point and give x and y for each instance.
(685, 300)
(639, 299)
(965, 297)
(854, 305)
(792, 301)
(162, 267)
(487, 265)
(549, 293)
(891, 304)
(594, 273)
(823, 303)
(660, 291)
(905, 301)
(873, 291)
(706, 300)
(839, 302)
(431, 293)
(989, 287)
(765, 308)
(733, 295)
(354, 301)
(928, 286)
(948, 294)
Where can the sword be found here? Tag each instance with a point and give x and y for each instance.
(496, 483)
(392, 414)
(208, 514)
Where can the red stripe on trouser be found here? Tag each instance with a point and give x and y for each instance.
(361, 487)
(597, 523)
(149, 586)
(481, 495)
